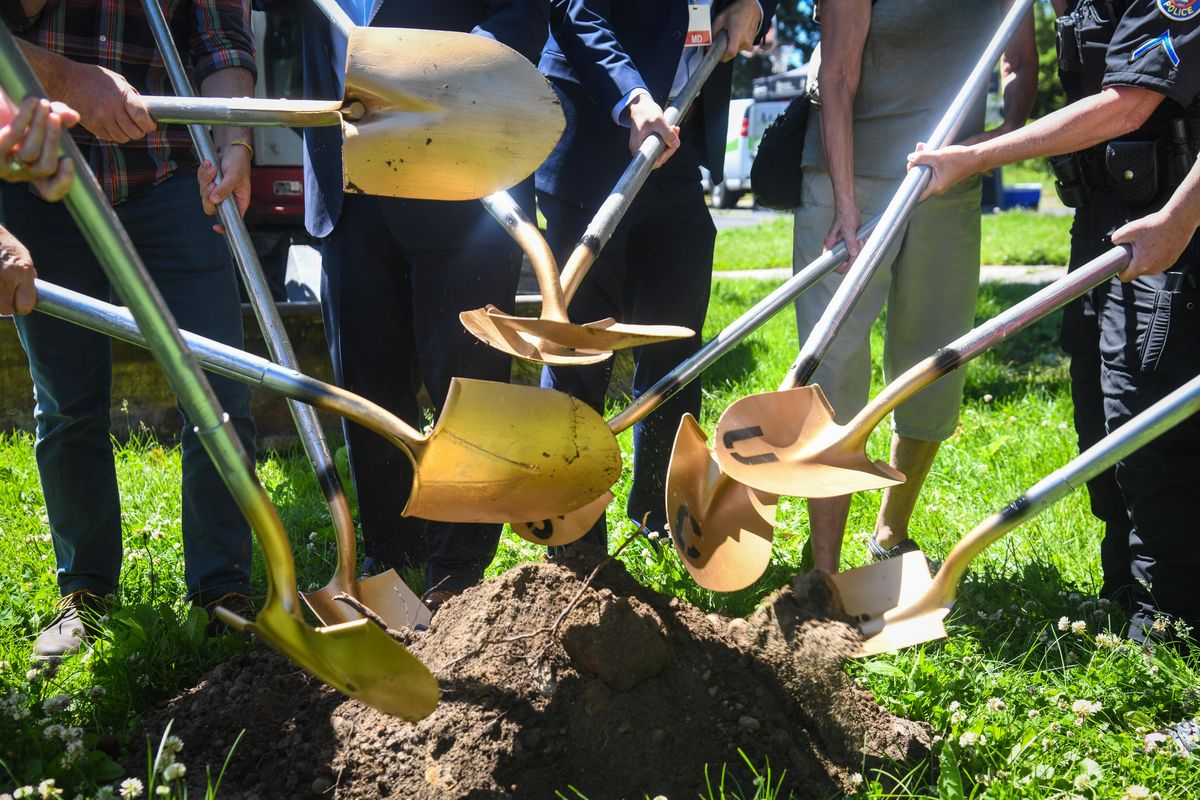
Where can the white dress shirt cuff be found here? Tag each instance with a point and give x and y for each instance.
(618, 111)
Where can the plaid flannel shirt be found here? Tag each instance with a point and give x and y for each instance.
(211, 35)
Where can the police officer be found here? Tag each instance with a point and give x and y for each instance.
(1129, 136)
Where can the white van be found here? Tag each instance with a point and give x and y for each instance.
(747, 120)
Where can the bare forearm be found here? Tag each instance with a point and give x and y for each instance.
(837, 138)
(52, 70)
(1018, 76)
(1083, 124)
(1184, 205)
(231, 82)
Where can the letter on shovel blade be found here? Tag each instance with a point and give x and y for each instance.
(722, 529)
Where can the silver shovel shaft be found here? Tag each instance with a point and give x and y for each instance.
(125, 270)
(1173, 409)
(614, 207)
(900, 208)
(308, 424)
(250, 111)
(735, 332)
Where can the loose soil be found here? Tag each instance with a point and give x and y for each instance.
(635, 694)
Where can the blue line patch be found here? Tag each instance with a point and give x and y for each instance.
(1165, 41)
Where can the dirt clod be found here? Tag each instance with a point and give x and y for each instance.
(631, 694)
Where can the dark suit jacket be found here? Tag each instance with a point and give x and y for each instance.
(597, 52)
(520, 24)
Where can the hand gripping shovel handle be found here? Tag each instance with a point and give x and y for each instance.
(308, 425)
(613, 209)
(985, 337)
(125, 270)
(899, 209)
(1173, 409)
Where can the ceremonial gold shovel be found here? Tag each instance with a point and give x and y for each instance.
(385, 594)
(433, 115)
(897, 604)
(787, 442)
(357, 658)
(689, 478)
(552, 338)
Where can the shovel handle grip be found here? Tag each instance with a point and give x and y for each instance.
(248, 111)
(987, 336)
(613, 209)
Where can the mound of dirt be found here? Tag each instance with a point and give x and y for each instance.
(633, 693)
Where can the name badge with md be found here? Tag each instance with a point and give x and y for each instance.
(699, 32)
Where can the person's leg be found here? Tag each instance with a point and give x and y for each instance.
(845, 372)
(670, 253)
(1081, 340)
(367, 305)
(931, 303)
(445, 283)
(600, 295)
(1150, 345)
(72, 375)
(192, 267)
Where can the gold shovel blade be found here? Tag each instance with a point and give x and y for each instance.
(491, 326)
(501, 452)
(449, 116)
(386, 594)
(722, 530)
(564, 528)
(885, 599)
(788, 443)
(356, 658)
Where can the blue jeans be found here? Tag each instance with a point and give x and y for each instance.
(72, 376)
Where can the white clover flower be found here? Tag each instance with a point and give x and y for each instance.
(1136, 792)
(32, 675)
(1159, 625)
(1032, 713)
(1079, 627)
(995, 704)
(74, 752)
(1107, 641)
(954, 705)
(56, 704)
(131, 788)
(163, 790)
(969, 739)
(52, 731)
(47, 790)
(856, 779)
(1086, 708)
(1064, 623)
(987, 398)
(172, 744)
(653, 536)
(5, 666)
(174, 772)
(96, 692)
(23, 791)
(1083, 782)
(957, 717)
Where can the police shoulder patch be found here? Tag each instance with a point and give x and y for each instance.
(1179, 9)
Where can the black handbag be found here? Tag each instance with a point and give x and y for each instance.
(776, 175)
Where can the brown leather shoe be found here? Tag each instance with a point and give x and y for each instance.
(77, 621)
(236, 602)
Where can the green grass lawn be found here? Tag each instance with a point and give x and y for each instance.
(1024, 702)
(1009, 238)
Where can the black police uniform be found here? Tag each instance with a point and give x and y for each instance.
(1133, 343)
